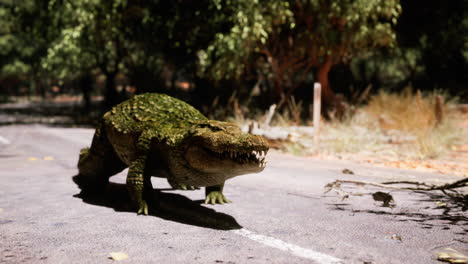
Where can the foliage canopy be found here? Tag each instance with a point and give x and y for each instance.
(278, 44)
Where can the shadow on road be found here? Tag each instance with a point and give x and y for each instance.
(168, 206)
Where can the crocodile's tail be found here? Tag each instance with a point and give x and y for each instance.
(97, 163)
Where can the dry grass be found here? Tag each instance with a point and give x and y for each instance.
(403, 126)
(404, 112)
(396, 126)
(403, 130)
(433, 125)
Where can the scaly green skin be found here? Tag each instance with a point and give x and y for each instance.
(157, 135)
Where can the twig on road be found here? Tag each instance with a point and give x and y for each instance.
(429, 187)
(424, 186)
(419, 186)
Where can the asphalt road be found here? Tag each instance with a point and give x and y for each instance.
(278, 216)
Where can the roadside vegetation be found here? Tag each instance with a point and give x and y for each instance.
(405, 125)
(403, 128)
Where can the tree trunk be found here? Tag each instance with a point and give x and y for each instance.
(86, 85)
(279, 95)
(111, 97)
(328, 97)
(333, 105)
(38, 87)
(145, 80)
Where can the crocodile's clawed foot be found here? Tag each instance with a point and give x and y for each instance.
(216, 197)
(143, 208)
(187, 187)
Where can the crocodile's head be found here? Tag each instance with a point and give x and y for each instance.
(215, 151)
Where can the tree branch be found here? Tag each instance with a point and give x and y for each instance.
(424, 186)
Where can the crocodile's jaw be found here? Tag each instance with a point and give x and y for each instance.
(226, 164)
(199, 168)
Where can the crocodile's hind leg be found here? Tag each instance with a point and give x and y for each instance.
(98, 163)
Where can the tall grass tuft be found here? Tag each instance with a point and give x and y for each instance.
(418, 115)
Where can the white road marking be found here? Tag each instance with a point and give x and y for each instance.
(4, 141)
(291, 248)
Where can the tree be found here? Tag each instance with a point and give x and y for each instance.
(282, 41)
(277, 43)
(137, 38)
(169, 39)
(25, 34)
(90, 37)
(437, 32)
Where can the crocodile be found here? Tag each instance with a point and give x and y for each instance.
(157, 135)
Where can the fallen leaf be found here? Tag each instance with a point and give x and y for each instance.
(117, 256)
(452, 256)
(347, 171)
(441, 204)
(396, 237)
(32, 159)
(386, 198)
(48, 158)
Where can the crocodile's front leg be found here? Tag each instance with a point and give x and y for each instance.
(214, 194)
(136, 184)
